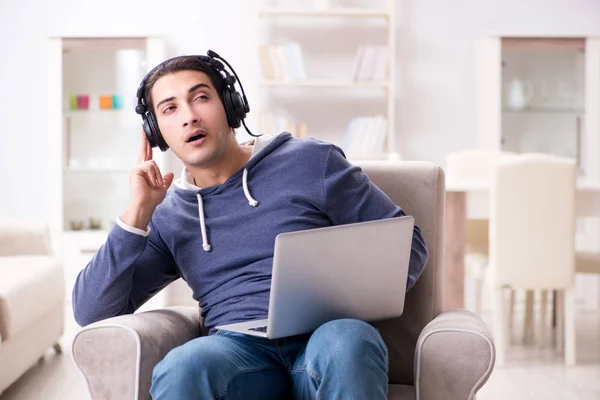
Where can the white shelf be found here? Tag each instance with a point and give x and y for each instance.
(369, 157)
(545, 110)
(95, 170)
(83, 111)
(86, 240)
(331, 12)
(326, 83)
(86, 234)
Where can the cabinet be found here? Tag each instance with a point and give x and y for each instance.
(329, 72)
(541, 94)
(100, 129)
(543, 107)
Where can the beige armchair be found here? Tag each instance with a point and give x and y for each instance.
(433, 354)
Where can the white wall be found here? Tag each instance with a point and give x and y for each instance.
(436, 65)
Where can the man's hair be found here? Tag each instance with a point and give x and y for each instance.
(184, 63)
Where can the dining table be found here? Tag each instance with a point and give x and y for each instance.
(458, 196)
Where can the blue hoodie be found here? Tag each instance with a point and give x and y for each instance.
(220, 239)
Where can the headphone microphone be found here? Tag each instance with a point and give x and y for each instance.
(236, 105)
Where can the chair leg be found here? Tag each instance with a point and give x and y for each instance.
(478, 294)
(554, 293)
(500, 326)
(569, 326)
(511, 312)
(528, 331)
(560, 320)
(542, 327)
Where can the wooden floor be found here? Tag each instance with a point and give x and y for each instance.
(530, 373)
(534, 374)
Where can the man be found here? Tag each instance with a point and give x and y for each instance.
(216, 229)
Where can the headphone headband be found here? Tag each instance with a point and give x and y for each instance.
(216, 65)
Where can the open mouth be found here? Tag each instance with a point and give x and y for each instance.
(196, 137)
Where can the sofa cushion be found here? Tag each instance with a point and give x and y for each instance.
(29, 287)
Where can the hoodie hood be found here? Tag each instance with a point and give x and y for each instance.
(185, 187)
(268, 142)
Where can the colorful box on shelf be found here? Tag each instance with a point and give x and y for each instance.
(117, 101)
(81, 101)
(106, 102)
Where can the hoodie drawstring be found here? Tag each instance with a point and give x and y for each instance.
(251, 201)
(205, 244)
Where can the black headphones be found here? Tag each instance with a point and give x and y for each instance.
(236, 105)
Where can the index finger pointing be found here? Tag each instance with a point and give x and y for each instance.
(148, 150)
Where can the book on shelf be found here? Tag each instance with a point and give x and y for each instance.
(365, 136)
(282, 62)
(271, 123)
(370, 63)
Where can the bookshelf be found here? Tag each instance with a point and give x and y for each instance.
(341, 70)
(325, 83)
(330, 12)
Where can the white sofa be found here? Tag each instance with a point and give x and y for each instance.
(32, 298)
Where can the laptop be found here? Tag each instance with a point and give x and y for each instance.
(355, 270)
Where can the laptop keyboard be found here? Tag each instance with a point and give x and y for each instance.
(258, 329)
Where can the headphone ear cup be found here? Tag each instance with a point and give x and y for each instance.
(148, 131)
(153, 133)
(238, 106)
(228, 103)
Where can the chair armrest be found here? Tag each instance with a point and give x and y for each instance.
(24, 237)
(454, 357)
(117, 355)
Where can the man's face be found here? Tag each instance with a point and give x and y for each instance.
(191, 117)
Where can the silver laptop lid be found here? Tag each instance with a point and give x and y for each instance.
(345, 271)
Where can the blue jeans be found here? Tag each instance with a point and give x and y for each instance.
(343, 359)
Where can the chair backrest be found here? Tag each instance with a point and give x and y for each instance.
(24, 237)
(532, 222)
(419, 188)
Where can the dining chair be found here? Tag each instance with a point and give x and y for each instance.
(532, 240)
